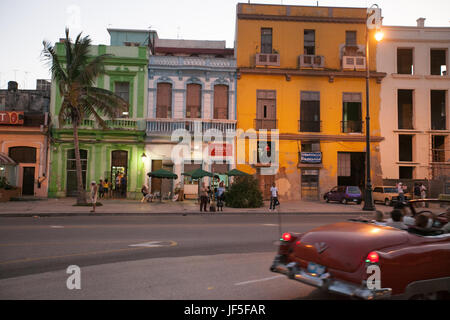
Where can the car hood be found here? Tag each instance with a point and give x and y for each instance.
(344, 246)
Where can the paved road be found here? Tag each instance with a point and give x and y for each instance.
(166, 257)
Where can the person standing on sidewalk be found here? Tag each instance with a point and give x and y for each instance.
(203, 197)
(94, 192)
(273, 197)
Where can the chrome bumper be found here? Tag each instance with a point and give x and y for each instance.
(325, 282)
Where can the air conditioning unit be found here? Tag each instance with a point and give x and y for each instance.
(267, 59)
(311, 61)
(353, 63)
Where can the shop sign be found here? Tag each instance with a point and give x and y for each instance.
(11, 117)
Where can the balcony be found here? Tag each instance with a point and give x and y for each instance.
(352, 126)
(309, 126)
(163, 126)
(261, 124)
(192, 62)
(267, 59)
(353, 63)
(116, 124)
(307, 61)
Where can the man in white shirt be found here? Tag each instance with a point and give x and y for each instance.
(273, 197)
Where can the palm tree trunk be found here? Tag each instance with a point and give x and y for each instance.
(81, 197)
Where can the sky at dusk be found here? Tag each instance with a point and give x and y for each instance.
(24, 24)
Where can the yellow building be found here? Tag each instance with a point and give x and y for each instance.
(301, 70)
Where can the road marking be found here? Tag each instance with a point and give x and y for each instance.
(57, 227)
(155, 244)
(270, 225)
(259, 280)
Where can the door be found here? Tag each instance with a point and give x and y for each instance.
(265, 183)
(155, 182)
(28, 181)
(119, 173)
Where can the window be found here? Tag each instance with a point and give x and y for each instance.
(405, 143)
(264, 152)
(405, 109)
(71, 171)
(164, 100)
(438, 148)
(266, 40)
(266, 110)
(309, 111)
(310, 152)
(438, 58)
(311, 146)
(194, 101)
(350, 38)
(23, 154)
(220, 102)
(405, 61)
(309, 42)
(352, 113)
(122, 89)
(438, 113)
(406, 172)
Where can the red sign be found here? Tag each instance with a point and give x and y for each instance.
(11, 117)
(220, 150)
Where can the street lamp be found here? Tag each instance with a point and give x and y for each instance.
(373, 21)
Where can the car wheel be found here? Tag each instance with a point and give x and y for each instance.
(387, 202)
(327, 200)
(344, 201)
(359, 202)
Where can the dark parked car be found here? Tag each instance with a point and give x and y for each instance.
(344, 194)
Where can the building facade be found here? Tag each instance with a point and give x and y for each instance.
(192, 91)
(301, 71)
(24, 135)
(415, 103)
(106, 154)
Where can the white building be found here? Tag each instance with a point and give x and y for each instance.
(192, 86)
(414, 113)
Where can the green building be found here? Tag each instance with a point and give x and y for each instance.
(105, 153)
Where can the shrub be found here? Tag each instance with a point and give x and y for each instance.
(244, 193)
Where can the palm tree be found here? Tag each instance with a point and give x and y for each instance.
(75, 75)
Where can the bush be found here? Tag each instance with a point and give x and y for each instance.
(244, 193)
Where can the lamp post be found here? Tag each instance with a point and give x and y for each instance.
(373, 21)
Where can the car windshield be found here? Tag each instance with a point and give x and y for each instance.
(390, 190)
(353, 190)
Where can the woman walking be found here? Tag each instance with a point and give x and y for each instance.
(94, 192)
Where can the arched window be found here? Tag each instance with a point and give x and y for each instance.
(164, 100)
(194, 101)
(220, 101)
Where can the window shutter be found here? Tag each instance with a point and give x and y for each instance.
(220, 102)
(164, 100)
(193, 101)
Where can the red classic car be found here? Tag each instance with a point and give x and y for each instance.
(412, 263)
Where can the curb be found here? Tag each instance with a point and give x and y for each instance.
(88, 214)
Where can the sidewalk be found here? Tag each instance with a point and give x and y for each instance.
(65, 207)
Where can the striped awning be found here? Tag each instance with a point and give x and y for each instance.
(5, 160)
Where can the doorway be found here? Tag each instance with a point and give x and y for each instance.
(71, 185)
(119, 173)
(352, 169)
(28, 181)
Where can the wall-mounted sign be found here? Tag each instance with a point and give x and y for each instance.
(11, 117)
(220, 150)
(311, 157)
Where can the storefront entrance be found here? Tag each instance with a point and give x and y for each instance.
(119, 173)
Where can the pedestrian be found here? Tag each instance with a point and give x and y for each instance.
(273, 197)
(94, 191)
(417, 190)
(144, 191)
(401, 192)
(220, 196)
(100, 189)
(423, 193)
(106, 188)
(203, 197)
(123, 186)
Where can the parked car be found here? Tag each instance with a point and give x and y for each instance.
(344, 194)
(412, 264)
(385, 194)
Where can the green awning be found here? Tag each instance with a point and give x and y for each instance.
(236, 173)
(162, 174)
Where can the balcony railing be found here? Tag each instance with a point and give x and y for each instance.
(353, 63)
(268, 124)
(120, 124)
(267, 59)
(309, 126)
(167, 126)
(352, 126)
(173, 61)
(438, 155)
(311, 61)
